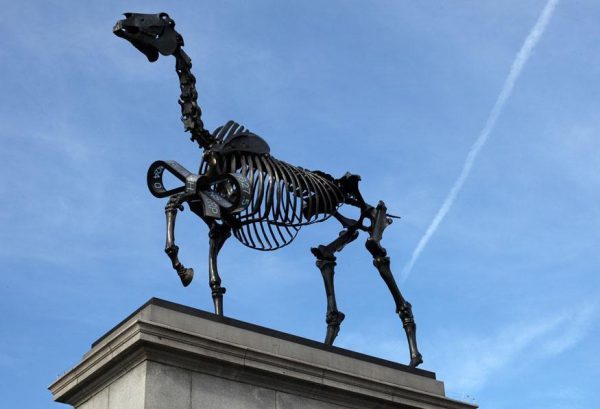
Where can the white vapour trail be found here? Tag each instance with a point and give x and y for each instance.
(516, 68)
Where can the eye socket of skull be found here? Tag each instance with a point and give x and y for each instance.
(154, 31)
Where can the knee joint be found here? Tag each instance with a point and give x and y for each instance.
(406, 314)
(375, 248)
(381, 262)
(216, 289)
(174, 203)
(322, 253)
(335, 318)
(172, 250)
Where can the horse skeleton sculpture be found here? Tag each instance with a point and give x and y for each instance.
(241, 189)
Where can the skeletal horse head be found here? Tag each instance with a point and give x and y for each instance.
(149, 33)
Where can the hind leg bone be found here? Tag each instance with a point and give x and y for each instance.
(326, 264)
(379, 221)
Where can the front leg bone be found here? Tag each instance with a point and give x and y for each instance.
(185, 274)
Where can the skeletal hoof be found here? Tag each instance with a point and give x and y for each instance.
(186, 276)
(416, 361)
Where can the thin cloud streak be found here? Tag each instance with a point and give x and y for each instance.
(484, 357)
(517, 66)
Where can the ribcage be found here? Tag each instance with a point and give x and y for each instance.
(283, 197)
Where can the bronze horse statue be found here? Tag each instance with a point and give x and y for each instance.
(241, 189)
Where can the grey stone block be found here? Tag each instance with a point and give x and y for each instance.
(98, 401)
(210, 392)
(168, 356)
(168, 387)
(128, 391)
(289, 401)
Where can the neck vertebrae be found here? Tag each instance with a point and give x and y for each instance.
(190, 111)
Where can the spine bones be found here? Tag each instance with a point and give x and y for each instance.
(190, 111)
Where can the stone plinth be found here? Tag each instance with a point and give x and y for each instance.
(168, 356)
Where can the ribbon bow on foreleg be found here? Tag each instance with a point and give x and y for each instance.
(222, 194)
(211, 198)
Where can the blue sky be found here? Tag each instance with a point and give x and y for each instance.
(506, 293)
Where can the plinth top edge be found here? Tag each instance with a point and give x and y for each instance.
(268, 332)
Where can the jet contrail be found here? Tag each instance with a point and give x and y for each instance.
(516, 68)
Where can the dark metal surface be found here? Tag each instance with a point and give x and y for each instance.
(241, 189)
